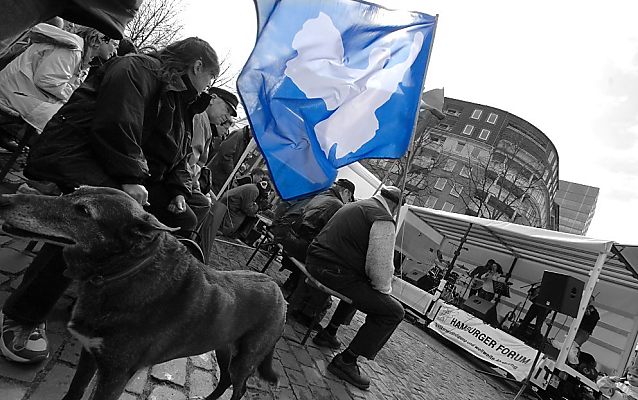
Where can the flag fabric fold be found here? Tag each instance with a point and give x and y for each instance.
(330, 82)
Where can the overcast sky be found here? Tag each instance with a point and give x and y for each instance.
(568, 67)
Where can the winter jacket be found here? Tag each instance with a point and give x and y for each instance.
(318, 212)
(225, 160)
(41, 79)
(124, 125)
(202, 137)
(241, 203)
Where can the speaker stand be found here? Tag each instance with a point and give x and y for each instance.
(527, 380)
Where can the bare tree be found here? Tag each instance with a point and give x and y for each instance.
(498, 185)
(424, 157)
(156, 24)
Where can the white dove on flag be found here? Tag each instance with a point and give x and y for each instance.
(319, 71)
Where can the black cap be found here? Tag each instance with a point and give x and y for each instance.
(392, 193)
(227, 96)
(345, 183)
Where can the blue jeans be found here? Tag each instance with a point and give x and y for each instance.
(383, 312)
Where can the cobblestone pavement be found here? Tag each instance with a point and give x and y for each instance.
(413, 365)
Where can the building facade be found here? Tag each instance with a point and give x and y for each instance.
(577, 204)
(482, 161)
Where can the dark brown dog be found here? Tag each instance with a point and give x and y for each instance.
(143, 299)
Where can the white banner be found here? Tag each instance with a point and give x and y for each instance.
(489, 344)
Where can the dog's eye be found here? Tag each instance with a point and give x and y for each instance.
(82, 209)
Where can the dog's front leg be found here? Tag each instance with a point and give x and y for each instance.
(111, 382)
(83, 374)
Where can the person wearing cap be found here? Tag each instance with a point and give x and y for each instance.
(313, 217)
(216, 117)
(242, 202)
(353, 255)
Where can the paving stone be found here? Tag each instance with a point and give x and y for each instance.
(303, 357)
(313, 377)
(320, 393)
(296, 377)
(284, 382)
(284, 394)
(127, 396)
(71, 351)
(338, 389)
(13, 261)
(166, 393)
(55, 383)
(302, 392)
(172, 371)
(289, 361)
(200, 383)
(137, 383)
(203, 361)
(11, 391)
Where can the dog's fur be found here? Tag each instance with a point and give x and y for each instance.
(171, 307)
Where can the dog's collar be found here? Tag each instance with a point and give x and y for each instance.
(104, 279)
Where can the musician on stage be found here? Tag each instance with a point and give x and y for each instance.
(488, 273)
(535, 312)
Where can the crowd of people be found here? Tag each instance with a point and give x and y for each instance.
(152, 125)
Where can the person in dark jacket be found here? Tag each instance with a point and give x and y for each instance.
(314, 216)
(128, 127)
(242, 202)
(226, 158)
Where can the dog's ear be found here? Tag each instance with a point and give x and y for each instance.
(148, 223)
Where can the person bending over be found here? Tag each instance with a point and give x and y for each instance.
(127, 127)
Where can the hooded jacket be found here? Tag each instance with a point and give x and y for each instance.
(124, 125)
(41, 79)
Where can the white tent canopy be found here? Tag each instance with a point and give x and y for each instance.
(528, 252)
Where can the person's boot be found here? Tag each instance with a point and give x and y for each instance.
(350, 373)
(324, 339)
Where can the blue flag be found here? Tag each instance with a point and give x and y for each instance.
(330, 82)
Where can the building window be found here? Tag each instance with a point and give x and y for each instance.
(492, 118)
(440, 184)
(456, 190)
(476, 114)
(453, 112)
(459, 147)
(485, 133)
(430, 201)
(448, 207)
(476, 151)
(449, 165)
(465, 173)
(468, 129)
(444, 127)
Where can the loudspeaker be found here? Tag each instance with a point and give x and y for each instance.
(481, 308)
(560, 292)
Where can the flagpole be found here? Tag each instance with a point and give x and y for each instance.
(416, 116)
(250, 147)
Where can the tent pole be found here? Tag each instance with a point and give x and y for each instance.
(584, 301)
(457, 252)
